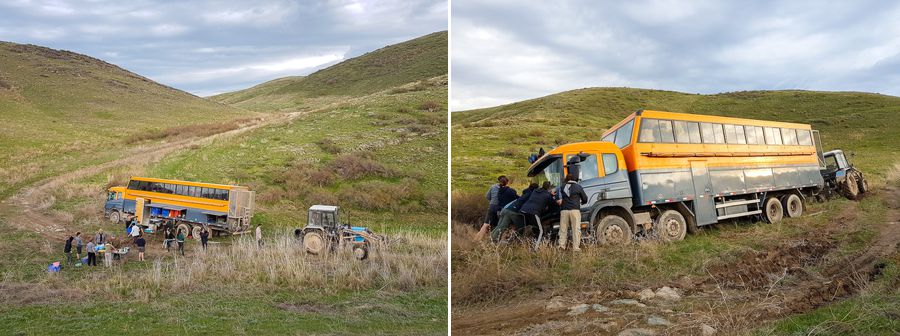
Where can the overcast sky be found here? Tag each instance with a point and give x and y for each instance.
(209, 47)
(507, 51)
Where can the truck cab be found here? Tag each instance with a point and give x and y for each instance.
(601, 172)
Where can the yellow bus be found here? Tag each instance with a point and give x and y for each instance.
(668, 173)
(191, 205)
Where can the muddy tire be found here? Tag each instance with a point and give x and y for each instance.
(183, 227)
(850, 187)
(863, 184)
(314, 243)
(613, 230)
(195, 232)
(793, 205)
(773, 212)
(671, 226)
(115, 217)
(360, 252)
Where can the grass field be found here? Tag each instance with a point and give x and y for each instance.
(379, 152)
(496, 141)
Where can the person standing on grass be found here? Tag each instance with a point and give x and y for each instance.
(68, 250)
(493, 213)
(570, 202)
(170, 238)
(99, 238)
(108, 254)
(259, 242)
(91, 253)
(141, 246)
(180, 239)
(204, 238)
(79, 244)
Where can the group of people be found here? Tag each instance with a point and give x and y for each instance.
(507, 208)
(102, 243)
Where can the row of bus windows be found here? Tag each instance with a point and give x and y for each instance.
(676, 131)
(178, 189)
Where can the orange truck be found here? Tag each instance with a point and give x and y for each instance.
(665, 174)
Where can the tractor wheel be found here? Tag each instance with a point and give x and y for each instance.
(774, 212)
(850, 188)
(314, 243)
(863, 184)
(613, 229)
(671, 226)
(793, 205)
(360, 252)
(184, 228)
(115, 217)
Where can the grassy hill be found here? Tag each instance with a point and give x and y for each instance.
(63, 110)
(385, 68)
(381, 155)
(493, 141)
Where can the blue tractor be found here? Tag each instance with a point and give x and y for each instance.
(324, 233)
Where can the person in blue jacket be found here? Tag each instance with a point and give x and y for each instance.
(537, 202)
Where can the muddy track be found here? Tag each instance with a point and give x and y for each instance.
(24, 211)
(760, 285)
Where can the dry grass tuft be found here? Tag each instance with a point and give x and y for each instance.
(359, 165)
(282, 264)
(188, 131)
(468, 207)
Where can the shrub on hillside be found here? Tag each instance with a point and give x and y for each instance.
(328, 146)
(359, 165)
(468, 207)
(430, 106)
(380, 196)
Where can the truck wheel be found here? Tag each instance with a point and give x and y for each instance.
(850, 188)
(360, 252)
(613, 229)
(773, 210)
(671, 226)
(115, 217)
(793, 206)
(183, 227)
(195, 232)
(314, 243)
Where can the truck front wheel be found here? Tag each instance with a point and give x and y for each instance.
(774, 211)
(115, 217)
(613, 229)
(671, 226)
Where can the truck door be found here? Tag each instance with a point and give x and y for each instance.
(704, 204)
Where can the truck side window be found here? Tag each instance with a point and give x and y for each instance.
(706, 129)
(623, 134)
(665, 131)
(803, 138)
(773, 136)
(589, 168)
(789, 135)
(649, 130)
(730, 134)
(719, 132)
(118, 195)
(694, 132)
(681, 132)
(610, 164)
(111, 196)
(739, 133)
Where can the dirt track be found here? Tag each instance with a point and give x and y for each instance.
(762, 285)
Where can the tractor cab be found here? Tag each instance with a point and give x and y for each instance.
(324, 217)
(841, 176)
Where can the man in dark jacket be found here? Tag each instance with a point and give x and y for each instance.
(570, 202)
(537, 202)
(68, 250)
(493, 213)
(510, 214)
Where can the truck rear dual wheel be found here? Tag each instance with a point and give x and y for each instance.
(671, 226)
(793, 205)
(613, 230)
(773, 210)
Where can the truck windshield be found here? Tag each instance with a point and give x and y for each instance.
(553, 170)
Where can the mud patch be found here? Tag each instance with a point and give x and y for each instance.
(759, 269)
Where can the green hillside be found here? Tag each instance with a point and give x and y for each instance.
(493, 141)
(388, 67)
(62, 110)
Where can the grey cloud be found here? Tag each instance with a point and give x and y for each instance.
(209, 46)
(698, 46)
